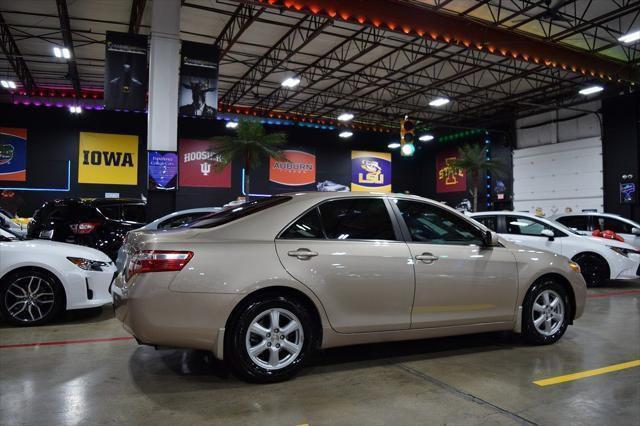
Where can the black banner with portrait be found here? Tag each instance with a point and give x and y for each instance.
(125, 81)
(198, 80)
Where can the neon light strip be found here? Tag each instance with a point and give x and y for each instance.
(251, 195)
(67, 189)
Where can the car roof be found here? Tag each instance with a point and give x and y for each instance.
(96, 201)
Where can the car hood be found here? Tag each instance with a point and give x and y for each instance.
(608, 242)
(65, 249)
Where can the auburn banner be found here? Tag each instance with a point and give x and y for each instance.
(13, 154)
(370, 171)
(197, 165)
(299, 168)
(449, 178)
(125, 80)
(108, 158)
(198, 80)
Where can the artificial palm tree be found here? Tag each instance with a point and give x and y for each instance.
(473, 160)
(251, 143)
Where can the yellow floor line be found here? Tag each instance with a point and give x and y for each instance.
(588, 373)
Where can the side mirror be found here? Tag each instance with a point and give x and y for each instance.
(491, 239)
(635, 231)
(548, 233)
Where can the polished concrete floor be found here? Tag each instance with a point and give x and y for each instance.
(469, 380)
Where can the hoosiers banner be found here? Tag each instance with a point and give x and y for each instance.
(299, 168)
(13, 154)
(449, 178)
(370, 171)
(197, 165)
(198, 80)
(108, 158)
(125, 81)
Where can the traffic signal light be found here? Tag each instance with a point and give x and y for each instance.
(407, 136)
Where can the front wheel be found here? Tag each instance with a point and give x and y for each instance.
(30, 297)
(595, 269)
(270, 340)
(546, 313)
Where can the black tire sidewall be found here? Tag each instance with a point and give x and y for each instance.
(587, 258)
(529, 331)
(57, 299)
(235, 348)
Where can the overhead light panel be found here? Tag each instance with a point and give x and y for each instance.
(65, 53)
(232, 124)
(8, 84)
(591, 90)
(61, 52)
(426, 138)
(630, 37)
(393, 145)
(408, 149)
(346, 134)
(73, 109)
(439, 102)
(57, 52)
(291, 82)
(345, 116)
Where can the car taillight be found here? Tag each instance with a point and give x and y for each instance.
(83, 228)
(158, 261)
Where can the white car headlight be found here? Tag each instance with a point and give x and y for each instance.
(623, 251)
(88, 265)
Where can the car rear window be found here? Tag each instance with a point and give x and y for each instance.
(134, 213)
(575, 222)
(236, 212)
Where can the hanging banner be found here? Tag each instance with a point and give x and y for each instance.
(163, 170)
(449, 178)
(125, 80)
(370, 171)
(108, 159)
(198, 80)
(299, 168)
(198, 159)
(13, 154)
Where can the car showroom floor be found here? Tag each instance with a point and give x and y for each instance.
(86, 370)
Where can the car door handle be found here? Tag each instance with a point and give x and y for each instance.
(426, 257)
(302, 253)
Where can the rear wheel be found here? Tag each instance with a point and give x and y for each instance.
(30, 297)
(595, 269)
(546, 312)
(270, 340)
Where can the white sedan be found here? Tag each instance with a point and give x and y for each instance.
(599, 259)
(40, 278)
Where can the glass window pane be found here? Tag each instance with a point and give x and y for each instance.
(575, 222)
(308, 226)
(490, 222)
(134, 213)
(617, 226)
(239, 211)
(428, 223)
(520, 225)
(357, 218)
(110, 212)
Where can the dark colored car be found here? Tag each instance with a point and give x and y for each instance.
(100, 223)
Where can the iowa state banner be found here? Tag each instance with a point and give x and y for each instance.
(370, 171)
(448, 178)
(13, 154)
(108, 158)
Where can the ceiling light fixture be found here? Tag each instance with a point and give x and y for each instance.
(393, 145)
(231, 124)
(439, 102)
(426, 138)
(345, 116)
(591, 90)
(8, 84)
(291, 82)
(61, 52)
(408, 149)
(57, 52)
(65, 53)
(345, 134)
(73, 109)
(630, 37)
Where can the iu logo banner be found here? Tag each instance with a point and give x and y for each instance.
(108, 158)
(298, 170)
(370, 171)
(13, 154)
(449, 178)
(198, 159)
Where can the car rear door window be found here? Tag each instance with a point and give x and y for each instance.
(434, 225)
(307, 227)
(357, 219)
(521, 225)
(576, 222)
(615, 225)
(490, 222)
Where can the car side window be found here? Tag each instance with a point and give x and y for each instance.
(521, 225)
(490, 222)
(307, 227)
(615, 225)
(357, 219)
(430, 224)
(576, 222)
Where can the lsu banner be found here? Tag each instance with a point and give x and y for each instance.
(125, 80)
(198, 80)
(163, 170)
(299, 168)
(13, 154)
(449, 178)
(198, 159)
(108, 158)
(370, 171)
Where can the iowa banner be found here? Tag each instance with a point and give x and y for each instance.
(370, 171)
(13, 154)
(198, 159)
(125, 80)
(198, 80)
(449, 178)
(108, 158)
(299, 169)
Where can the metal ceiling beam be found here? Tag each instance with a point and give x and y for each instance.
(11, 51)
(65, 28)
(137, 10)
(242, 18)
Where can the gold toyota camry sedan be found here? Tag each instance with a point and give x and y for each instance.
(263, 284)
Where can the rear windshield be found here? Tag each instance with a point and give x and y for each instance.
(236, 212)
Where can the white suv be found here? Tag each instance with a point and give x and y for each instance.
(585, 223)
(599, 259)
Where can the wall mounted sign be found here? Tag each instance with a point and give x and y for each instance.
(299, 169)
(163, 170)
(108, 159)
(370, 171)
(198, 80)
(197, 163)
(13, 154)
(125, 80)
(628, 193)
(449, 178)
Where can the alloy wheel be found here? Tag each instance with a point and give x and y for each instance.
(274, 339)
(548, 312)
(29, 299)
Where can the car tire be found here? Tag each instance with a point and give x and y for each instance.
(255, 347)
(546, 312)
(595, 269)
(30, 297)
